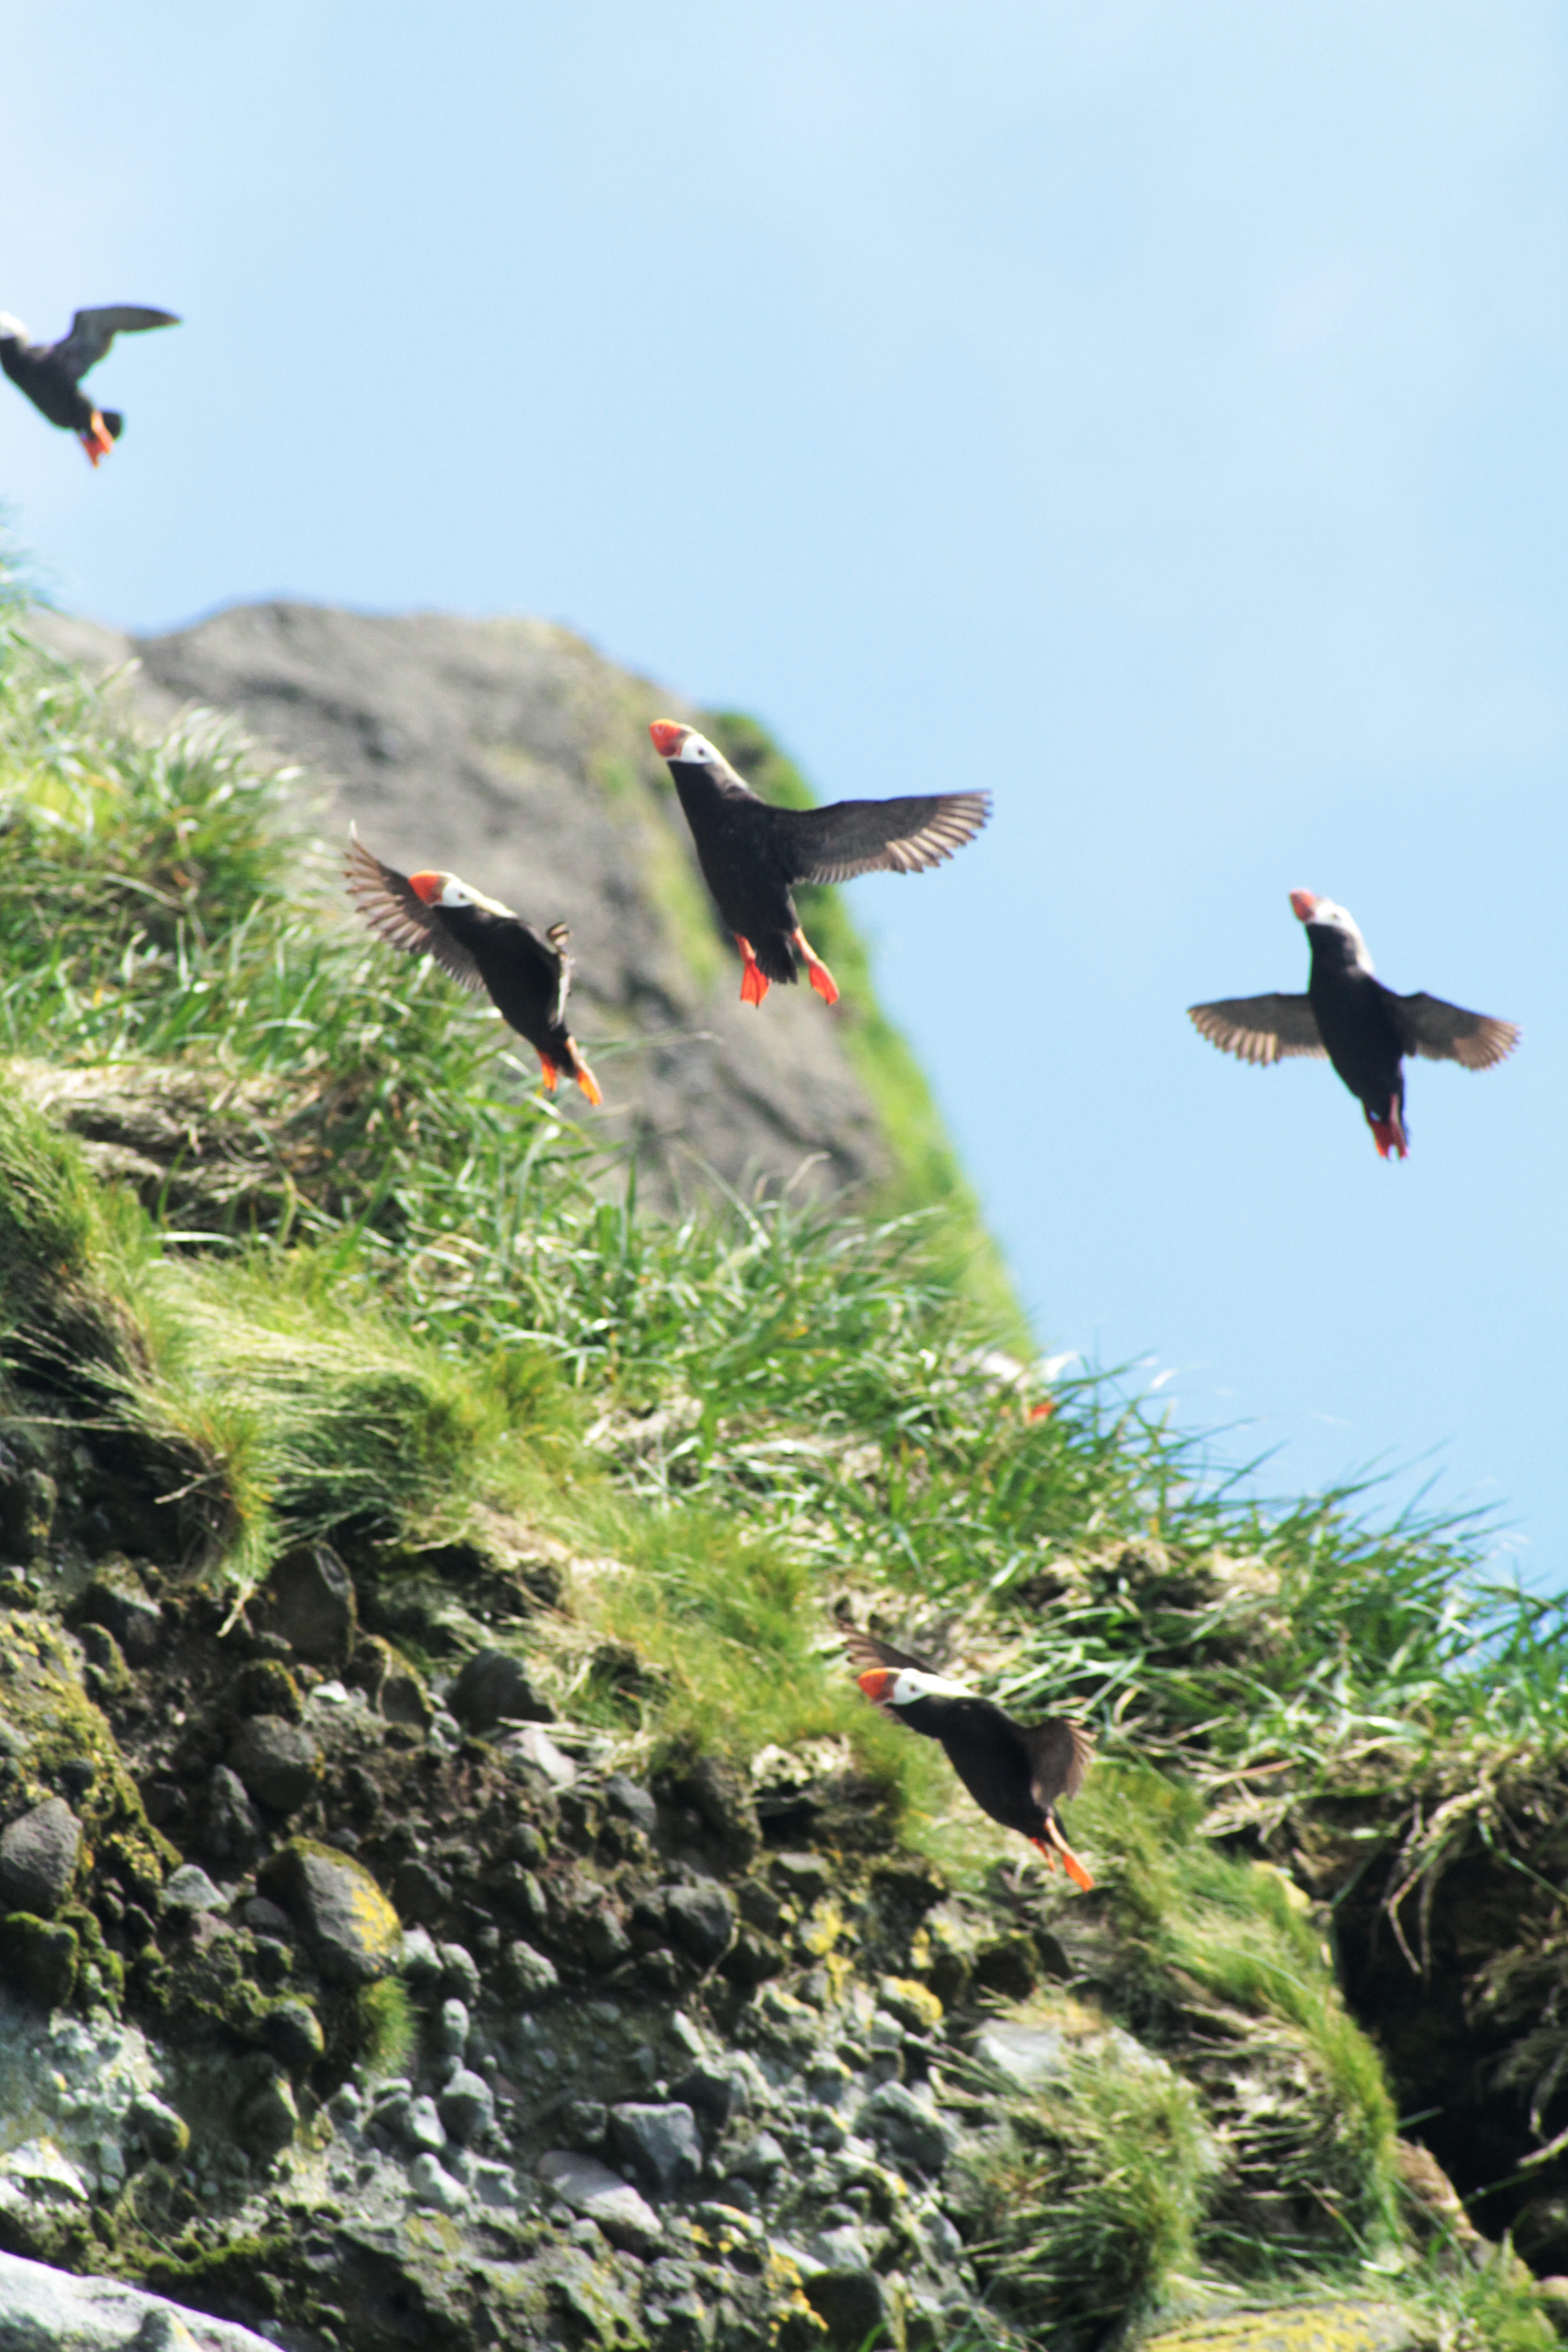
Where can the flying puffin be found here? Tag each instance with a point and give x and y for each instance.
(51, 374)
(750, 853)
(482, 944)
(1014, 1771)
(1365, 1029)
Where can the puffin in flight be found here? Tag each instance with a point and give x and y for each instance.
(51, 374)
(1365, 1029)
(1014, 1771)
(752, 852)
(484, 946)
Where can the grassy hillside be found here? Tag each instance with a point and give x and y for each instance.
(364, 1293)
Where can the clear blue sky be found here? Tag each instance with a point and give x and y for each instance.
(1158, 413)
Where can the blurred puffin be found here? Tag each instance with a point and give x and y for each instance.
(51, 374)
(750, 853)
(1015, 1771)
(1365, 1029)
(484, 946)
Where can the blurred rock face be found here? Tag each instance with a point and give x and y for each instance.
(514, 754)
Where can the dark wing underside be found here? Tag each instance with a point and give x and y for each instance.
(395, 911)
(830, 845)
(1060, 1754)
(93, 331)
(1259, 1028)
(1447, 1033)
(864, 1651)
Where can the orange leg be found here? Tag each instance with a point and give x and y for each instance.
(587, 1081)
(754, 981)
(98, 440)
(822, 980)
(1058, 1849)
(549, 1073)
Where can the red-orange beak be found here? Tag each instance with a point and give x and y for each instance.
(877, 1681)
(1304, 904)
(667, 737)
(426, 886)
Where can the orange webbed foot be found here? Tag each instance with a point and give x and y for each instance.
(587, 1082)
(549, 1074)
(822, 980)
(753, 980)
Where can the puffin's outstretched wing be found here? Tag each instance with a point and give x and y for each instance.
(93, 331)
(829, 844)
(1060, 1754)
(395, 911)
(864, 1651)
(1259, 1028)
(1447, 1033)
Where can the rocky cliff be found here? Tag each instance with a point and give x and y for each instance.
(511, 752)
(452, 1893)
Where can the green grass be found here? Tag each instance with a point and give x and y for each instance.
(434, 1298)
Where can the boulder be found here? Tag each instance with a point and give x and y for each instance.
(231, 1827)
(592, 2189)
(703, 1921)
(39, 1958)
(529, 1977)
(118, 1599)
(277, 1761)
(467, 2108)
(312, 1603)
(852, 2304)
(661, 2142)
(190, 1889)
(40, 2306)
(493, 1688)
(911, 2133)
(350, 1928)
(37, 1858)
(293, 2033)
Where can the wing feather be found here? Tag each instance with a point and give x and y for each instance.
(1259, 1028)
(898, 836)
(1060, 1754)
(1447, 1033)
(397, 913)
(93, 331)
(864, 1651)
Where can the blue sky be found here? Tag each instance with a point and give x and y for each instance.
(1156, 412)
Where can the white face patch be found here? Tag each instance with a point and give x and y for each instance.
(699, 751)
(909, 1683)
(9, 326)
(1339, 919)
(457, 894)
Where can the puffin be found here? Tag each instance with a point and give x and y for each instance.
(1365, 1029)
(484, 946)
(51, 374)
(1015, 1771)
(752, 852)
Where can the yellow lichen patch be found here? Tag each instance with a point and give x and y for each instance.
(42, 1698)
(1299, 2327)
(824, 1928)
(914, 2005)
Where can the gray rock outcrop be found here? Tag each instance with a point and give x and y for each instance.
(514, 753)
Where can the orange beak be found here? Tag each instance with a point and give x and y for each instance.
(877, 1681)
(426, 886)
(1304, 904)
(668, 735)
